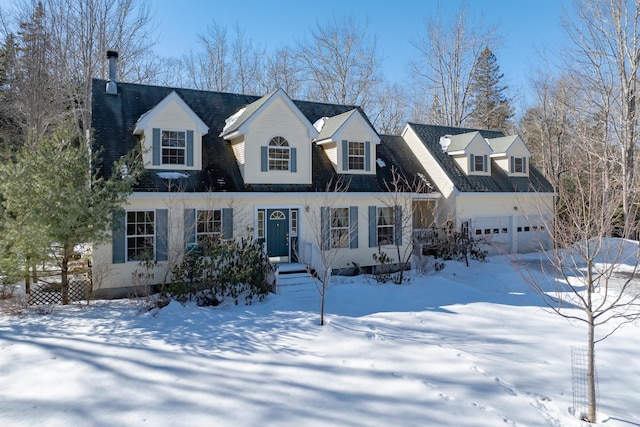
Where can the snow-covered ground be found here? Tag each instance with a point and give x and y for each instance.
(462, 347)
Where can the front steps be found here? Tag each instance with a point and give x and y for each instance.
(293, 277)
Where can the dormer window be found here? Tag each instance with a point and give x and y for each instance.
(279, 154)
(356, 155)
(518, 164)
(174, 147)
(478, 163)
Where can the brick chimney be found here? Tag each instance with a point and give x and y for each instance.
(112, 87)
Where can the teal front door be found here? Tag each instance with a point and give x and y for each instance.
(278, 232)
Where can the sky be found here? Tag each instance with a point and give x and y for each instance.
(465, 346)
(527, 27)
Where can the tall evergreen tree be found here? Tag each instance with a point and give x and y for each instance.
(51, 202)
(491, 109)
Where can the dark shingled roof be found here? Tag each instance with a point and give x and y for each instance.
(114, 118)
(498, 182)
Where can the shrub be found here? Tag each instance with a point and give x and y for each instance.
(238, 270)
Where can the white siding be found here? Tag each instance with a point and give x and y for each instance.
(277, 119)
(172, 117)
(114, 276)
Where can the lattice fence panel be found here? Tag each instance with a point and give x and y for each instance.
(80, 289)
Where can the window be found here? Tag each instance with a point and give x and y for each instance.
(140, 235)
(464, 229)
(279, 154)
(339, 227)
(478, 231)
(505, 230)
(294, 222)
(208, 226)
(261, 224)
(386, 226)
(518, 164)
(356, 155)
(173, 147)
(478, 163)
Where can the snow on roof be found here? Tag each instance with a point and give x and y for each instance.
(172, 175)
(232, 119)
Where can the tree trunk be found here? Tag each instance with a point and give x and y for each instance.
(591, 373)
(27, 279)
(64, 282)
(324, 288)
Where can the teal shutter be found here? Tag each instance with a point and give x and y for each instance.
(294, 160)
(513, 164)
(472, 164)
(353, 227)
(524, 165)
(485, 163)
(156, 143)
(264, 159)
(118, 236)
(227, 223)
(162, 234)
(367, 155)
(397, 219)
(190, 226)
(325, 228)
(345, 155)
(373, 226)
(189, 148)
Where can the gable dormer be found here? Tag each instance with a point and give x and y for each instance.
(171, 135)
(470, 151)
(511, 154)
(271, 141)
(349, 141)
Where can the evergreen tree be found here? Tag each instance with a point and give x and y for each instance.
(51, 201)
(11, 131)
(490, 107)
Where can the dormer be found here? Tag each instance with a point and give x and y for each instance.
(171, 135)
(271, 140)
(470, 151)
(349, 141)
(511, 154)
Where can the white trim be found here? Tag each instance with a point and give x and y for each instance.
(145, 119)
(298, 195)
(243, 128)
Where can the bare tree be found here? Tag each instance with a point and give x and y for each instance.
(82, 31)
(589, 275)
(246, 63)
(400, 205)
(61, 47)
(389, 109)
(604, 61)
(211, 68)
(444, 66)
(341, 63)
(282, 70)
(227, 62)
(332, 230)
(548, 125)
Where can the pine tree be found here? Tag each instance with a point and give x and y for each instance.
(491, 109)
(51, 202)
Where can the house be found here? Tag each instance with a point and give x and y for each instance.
(488, 185)
(226, 166)
(222, 165)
